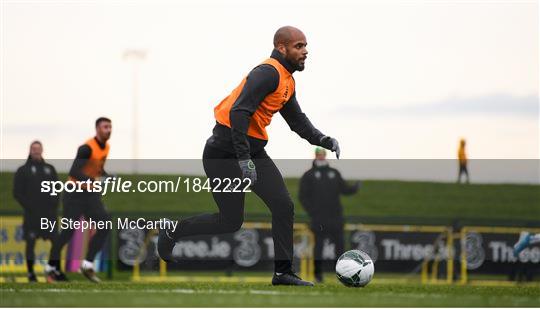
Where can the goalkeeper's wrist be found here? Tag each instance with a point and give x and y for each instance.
(244, 157)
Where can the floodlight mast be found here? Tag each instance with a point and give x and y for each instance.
(136, 57)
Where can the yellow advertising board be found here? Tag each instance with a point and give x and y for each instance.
(12, 247)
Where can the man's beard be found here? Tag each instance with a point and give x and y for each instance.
(296, 64)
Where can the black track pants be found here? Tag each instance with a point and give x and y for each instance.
(270, 187)
(75, 206)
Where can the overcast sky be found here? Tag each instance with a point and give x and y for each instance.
(387, 79)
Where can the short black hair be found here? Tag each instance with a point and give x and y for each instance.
(102, 119)
(36, 142)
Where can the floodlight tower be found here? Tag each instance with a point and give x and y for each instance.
(135, 57)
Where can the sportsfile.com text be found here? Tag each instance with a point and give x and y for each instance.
(118, 185)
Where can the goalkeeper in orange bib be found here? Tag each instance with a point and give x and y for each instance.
(236, 150)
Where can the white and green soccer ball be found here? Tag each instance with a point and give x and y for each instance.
(354, 268)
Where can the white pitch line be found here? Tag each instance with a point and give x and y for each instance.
(182, 291)
(179, 291)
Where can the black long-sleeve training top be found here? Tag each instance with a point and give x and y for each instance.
(261, 81)
(319, 193)
(27, 188)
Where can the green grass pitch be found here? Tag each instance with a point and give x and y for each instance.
(123, 294)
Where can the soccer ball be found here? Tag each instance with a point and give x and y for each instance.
(354, 268)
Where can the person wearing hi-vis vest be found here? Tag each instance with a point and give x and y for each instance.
(236, 150)
(88, 165)
(463, 162)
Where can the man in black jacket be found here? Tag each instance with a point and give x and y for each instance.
(35, 204)
(320, 188)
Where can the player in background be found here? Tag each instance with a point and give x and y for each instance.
(463, 162)
(320, 189)
(89, 164)
(236, 149)
(525, 239)
(35, 204)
